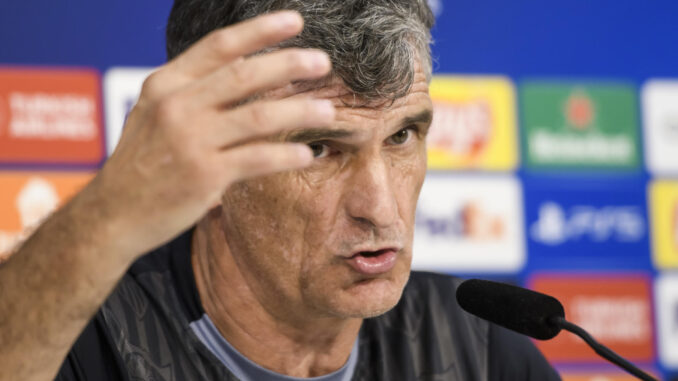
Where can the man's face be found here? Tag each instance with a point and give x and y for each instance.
(335, 239)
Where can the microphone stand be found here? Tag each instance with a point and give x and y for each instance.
(600, 349)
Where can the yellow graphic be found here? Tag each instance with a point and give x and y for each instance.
(664, 211)
(474, 124)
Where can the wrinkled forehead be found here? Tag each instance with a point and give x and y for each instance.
(334, 88)
(358, 119)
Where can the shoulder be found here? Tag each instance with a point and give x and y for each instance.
(92, 357)
(150, 307)
(164, 277)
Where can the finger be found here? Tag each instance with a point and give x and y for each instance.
(241, 79)
(224, 45)
(260, 159)
(260, 119)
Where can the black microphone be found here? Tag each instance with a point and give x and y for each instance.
(530, 313)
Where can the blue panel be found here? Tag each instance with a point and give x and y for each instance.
(586, 225)
(603, 38)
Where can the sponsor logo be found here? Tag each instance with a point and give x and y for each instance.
(601, 376)
(579, 110)
(3, 115)
(122, 86)
(664, 212)
(473, 124)
(666, 294)
(587, 224)
(580, 126)
(27, 198)
(469, 224)
(556, 225)
(660, 122)
(614, 309)
(50, 116)
(464, 128)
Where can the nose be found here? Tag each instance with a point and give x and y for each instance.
(371, 197)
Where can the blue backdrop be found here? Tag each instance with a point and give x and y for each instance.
(628, 40)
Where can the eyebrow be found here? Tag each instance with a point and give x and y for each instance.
(423, 117)
(314, 134)
(317, 134)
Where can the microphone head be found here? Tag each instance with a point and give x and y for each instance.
(518, 309)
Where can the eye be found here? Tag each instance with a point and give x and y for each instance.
(320, 150)
(401, 137)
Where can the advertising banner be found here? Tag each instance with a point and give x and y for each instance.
(122, 86)
(26, 198)
(615, 309)
(602, 376)
(50, 116)
(664, 212)
(585, 224)
(579, 126)
(474, 124)
(469, 224)
(666, 301)
(660, 126)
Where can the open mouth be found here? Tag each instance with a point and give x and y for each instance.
(372, 254)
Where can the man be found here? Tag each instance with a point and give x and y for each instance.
(302, 169)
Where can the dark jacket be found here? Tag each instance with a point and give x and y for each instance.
(142, 332)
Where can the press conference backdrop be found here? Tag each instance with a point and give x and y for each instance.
(553, 154)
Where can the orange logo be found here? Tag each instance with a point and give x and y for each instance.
(27, 198)
(480, 224)
(615, 310)
(51, 116)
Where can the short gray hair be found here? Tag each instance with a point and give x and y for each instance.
(373, 44)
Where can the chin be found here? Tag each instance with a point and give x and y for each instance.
(373, 297)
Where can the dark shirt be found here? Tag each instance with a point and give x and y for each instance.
(142, 332)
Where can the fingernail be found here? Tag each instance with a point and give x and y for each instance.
(321, 61)
(289, 19)
(304, 153)
(325, 107)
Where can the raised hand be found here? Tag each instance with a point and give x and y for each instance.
(190, 137)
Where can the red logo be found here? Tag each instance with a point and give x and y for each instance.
(51, 116)
(579, 110)
(616, 310)
(603, 375)
(3, 114)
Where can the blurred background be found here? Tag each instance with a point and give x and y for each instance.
(553, 155)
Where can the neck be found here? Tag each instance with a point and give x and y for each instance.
(284, 344)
